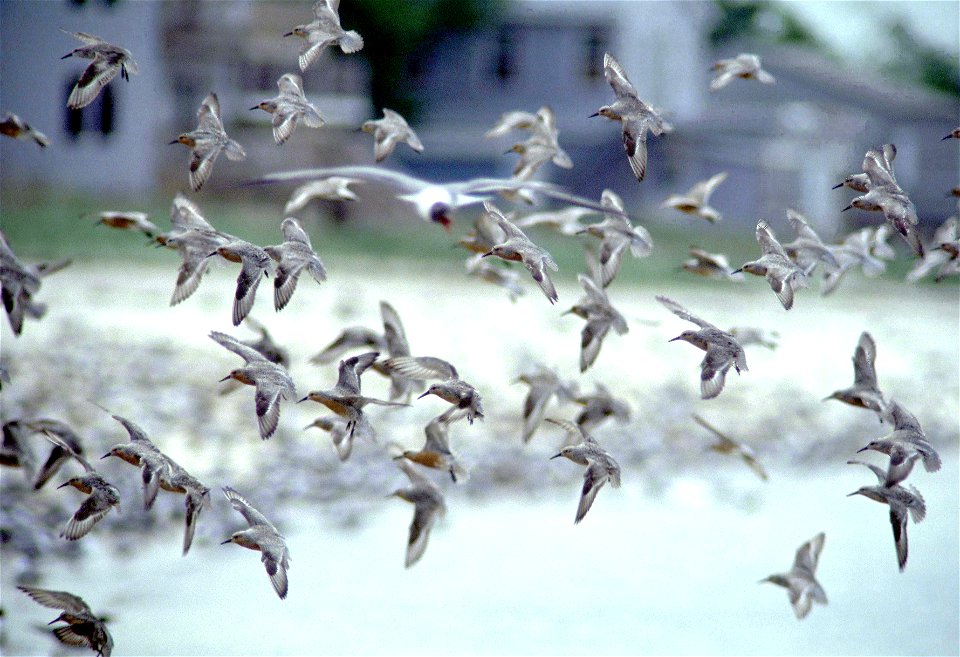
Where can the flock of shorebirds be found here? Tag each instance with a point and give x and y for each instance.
(786, 267)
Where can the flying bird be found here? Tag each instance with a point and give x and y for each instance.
(745, 66)
(636, 117)
(723, 350)
(601, 316)
(295, 255)
(83, 628)
(389, 131)
(726, 445)
(323, 31)
(801, 583)
(434, 202)
(616, 235)
(271, 380)
(782, 273)
(518, 247)
(429, 505)
(696, 201)
(289, 108)
(101, 494)
(601, 467)
(13, 126)
(864, 393)
(262, 536)
(108, 60)
(903, 502)
(207, 142)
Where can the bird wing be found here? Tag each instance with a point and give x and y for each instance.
(267, 400)
(292, 84)
(201, 164)
(537, 268)
(783, 290)
(284, 123)
(438, 436)
(422, 367)
(682, 312)
(393, 332)
(247, 510)
(294, 232)
(878, 165)
(898, 521)
(247, 282)
(276, 565)
(91, 511)
(247, 353)
(617, 77)
(57, 599)
(864, 356)
(808, 554)
(594, 477)
(208, 114)
(95, 77)
(423, 520)
(575, 432)
(768, 242)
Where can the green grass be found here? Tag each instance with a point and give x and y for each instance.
(47, 226)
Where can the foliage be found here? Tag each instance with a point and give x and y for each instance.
(761, 20)
(922, 63)
(398, 36)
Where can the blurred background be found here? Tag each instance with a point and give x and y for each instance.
(667, 564)
(850, 75)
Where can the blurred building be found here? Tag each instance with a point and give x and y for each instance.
(185, 49)
(110, 144)
(784, 145)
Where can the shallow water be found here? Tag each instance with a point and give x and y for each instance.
(676, 574)
(667, 564)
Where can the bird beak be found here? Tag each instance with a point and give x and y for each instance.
(66, 483)
(424, 395)
(226, 541)
(508, 151)
(175, 141)
(304, 399)
(254, 107)
(488, 253)
(862, 449)
(846, 208)
(288, 34)
(837, 186)
(224, 378)
(736, 271)
(853, 493)
(555, 456)
(107, 455)
(593, 115)
(674, 339)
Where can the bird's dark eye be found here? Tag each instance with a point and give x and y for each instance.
(438, 212)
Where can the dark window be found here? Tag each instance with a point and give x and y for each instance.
(81, 3)
(595, 46)
(97, 117)
(506, 54)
